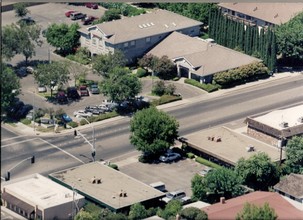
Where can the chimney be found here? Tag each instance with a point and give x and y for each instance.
(222, 200)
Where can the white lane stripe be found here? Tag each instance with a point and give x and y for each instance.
(7, 139)
(7, 145)
(62, 150)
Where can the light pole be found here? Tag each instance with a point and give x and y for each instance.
(52, 86)
(34, 110)
(93, 145)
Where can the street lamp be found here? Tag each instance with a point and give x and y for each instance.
(53, 83)
(93, 145)
(34, 110)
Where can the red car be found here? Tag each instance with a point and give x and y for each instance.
(88, 20)
(91, 5)
(68, 13)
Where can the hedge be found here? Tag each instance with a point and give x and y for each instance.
(166, 99)
(207, 163)
(190, 155)
(99, 117)
(114, 166)
(73, 124)
(141, 72)
(207, 87)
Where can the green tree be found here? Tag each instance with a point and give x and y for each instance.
(120, 85)
(159, 88)
(290, 38)
(65, 38)
(104, 63)
(193, 213)
(111, 14)
(137, 212)
(54, 73)
(83, 215)
(258, 172)
(165, 68)
(153, 131)
(251, 211)
(21, 10)
(172, 208)
(294, 155)
(9, 87)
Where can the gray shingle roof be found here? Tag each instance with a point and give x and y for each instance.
(291, 185)
(213, 57)
(276, 13)
(145, 25)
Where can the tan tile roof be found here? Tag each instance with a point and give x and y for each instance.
(145, 25)
(231, 207)
(276, 13)
(213, 57)
(291, 185)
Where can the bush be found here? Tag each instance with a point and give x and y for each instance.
(81, 56)
(170, 89)
(207, 87)
(207, 163)
(166, 99)
(190, 155)
(159, 88)
(73, 124)
(25, 121)
(176, 78)
(114, 166)
(99, 117)
(141, 72)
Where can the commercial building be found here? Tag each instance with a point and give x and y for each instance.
(199, 59)
(107, 187)
(261, 14)
(134, 36)
(278, 126)
(37, 197)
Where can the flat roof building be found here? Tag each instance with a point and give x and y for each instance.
(277, 126)
(224, 146)
(107, 187)
(37, 197)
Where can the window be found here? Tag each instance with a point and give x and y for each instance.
(133, 43)
(94, 41)
(126, 44)
(147, 39)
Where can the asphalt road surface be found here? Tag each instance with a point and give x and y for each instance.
(112, 139)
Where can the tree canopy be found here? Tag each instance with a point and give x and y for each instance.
(193, 213)
(215, 184)
(104, 63)
(153, 131)
(137, 212)
(294, 155)
(20, 9)
(120, 85)
(172, 208)
(290, 38)
(64, 37)
(258, 172)
(251, 211)
(9, 87)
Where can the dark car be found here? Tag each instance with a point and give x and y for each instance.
(83, 91)
(26, 21)
(72, 93)
(68, 13)
(22, 112)
(11, 111)
(88, 20)
(91, 5)
(66, 118)
(77, 15)
(61, 97)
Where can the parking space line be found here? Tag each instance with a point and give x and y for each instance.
(54, 146)
(7, 145)
(7, 139)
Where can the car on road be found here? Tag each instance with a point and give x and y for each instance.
(94, 89)
(88, 20)
(77, 15)
(42, 88)
(83, 91)
(169, 157)
(61, 97)
(72, 93)
(82, 113)
(176, 195)
(68, 13)
(204, 171)
(91, 5)
(66, 118)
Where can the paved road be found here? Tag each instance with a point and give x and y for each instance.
(112, 139)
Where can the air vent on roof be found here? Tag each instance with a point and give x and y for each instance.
(300, 119)
(144, 25)
(174, 24)
(140, 26)
(283, 124)
(152, 23)
(166, 25)
(276, 15)
(148, 24)
(250, 148)
(256, 8)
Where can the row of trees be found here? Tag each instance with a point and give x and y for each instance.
(249, 39)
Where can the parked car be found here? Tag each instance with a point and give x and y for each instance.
(61, 97)
(30, 69)
(26, 21)
(169, 157)
(185, 200)
(88, 20)
(91, 5)
(42, 88)
(176, 195)
(94, 89)
(11, 111)
(66, 118)
(22, 72)
(72, 93)
(83, 91)
(30, 115)
(94, 110)
(68, 13)
(82, 113)
(23, 111)
(77, 15)
(205, 171)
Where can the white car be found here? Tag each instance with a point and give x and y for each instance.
(82, 113)
(42, 88)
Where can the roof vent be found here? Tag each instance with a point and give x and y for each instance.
(140, 26)
(256, 8)
(174, 24)
(166, 25)
(144, 25)
(283, 124)
(277, 15)
(148, 24)
(300, 119)
(250, 148)
(152, 23)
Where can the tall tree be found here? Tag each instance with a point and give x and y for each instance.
(104, 63)
(172, 208)
(21, 10)
(258, 172)
(193, 213)
(294, 155)
(251, 211)
(165, 68)
(137, 212)
(153, 131)
(120, 85)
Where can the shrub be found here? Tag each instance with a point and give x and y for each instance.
(114, 166)
(73, 124)
(176, 78)
(207, 87)
(207, 163)
(159, 88)
(190, 155)
(170, 89)
(99, 117)
(25, 121)
(141, 72)
(166, 99)
(81, 56)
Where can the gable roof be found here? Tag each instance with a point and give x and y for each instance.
(291, 185)
(206, 58)
(144, 25)
(231, 207)
(275, 13)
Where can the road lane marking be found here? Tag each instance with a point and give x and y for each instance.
(62, 150)
(7, 139)
(7, 145)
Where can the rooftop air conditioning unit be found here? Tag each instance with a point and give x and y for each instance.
(284, 124)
